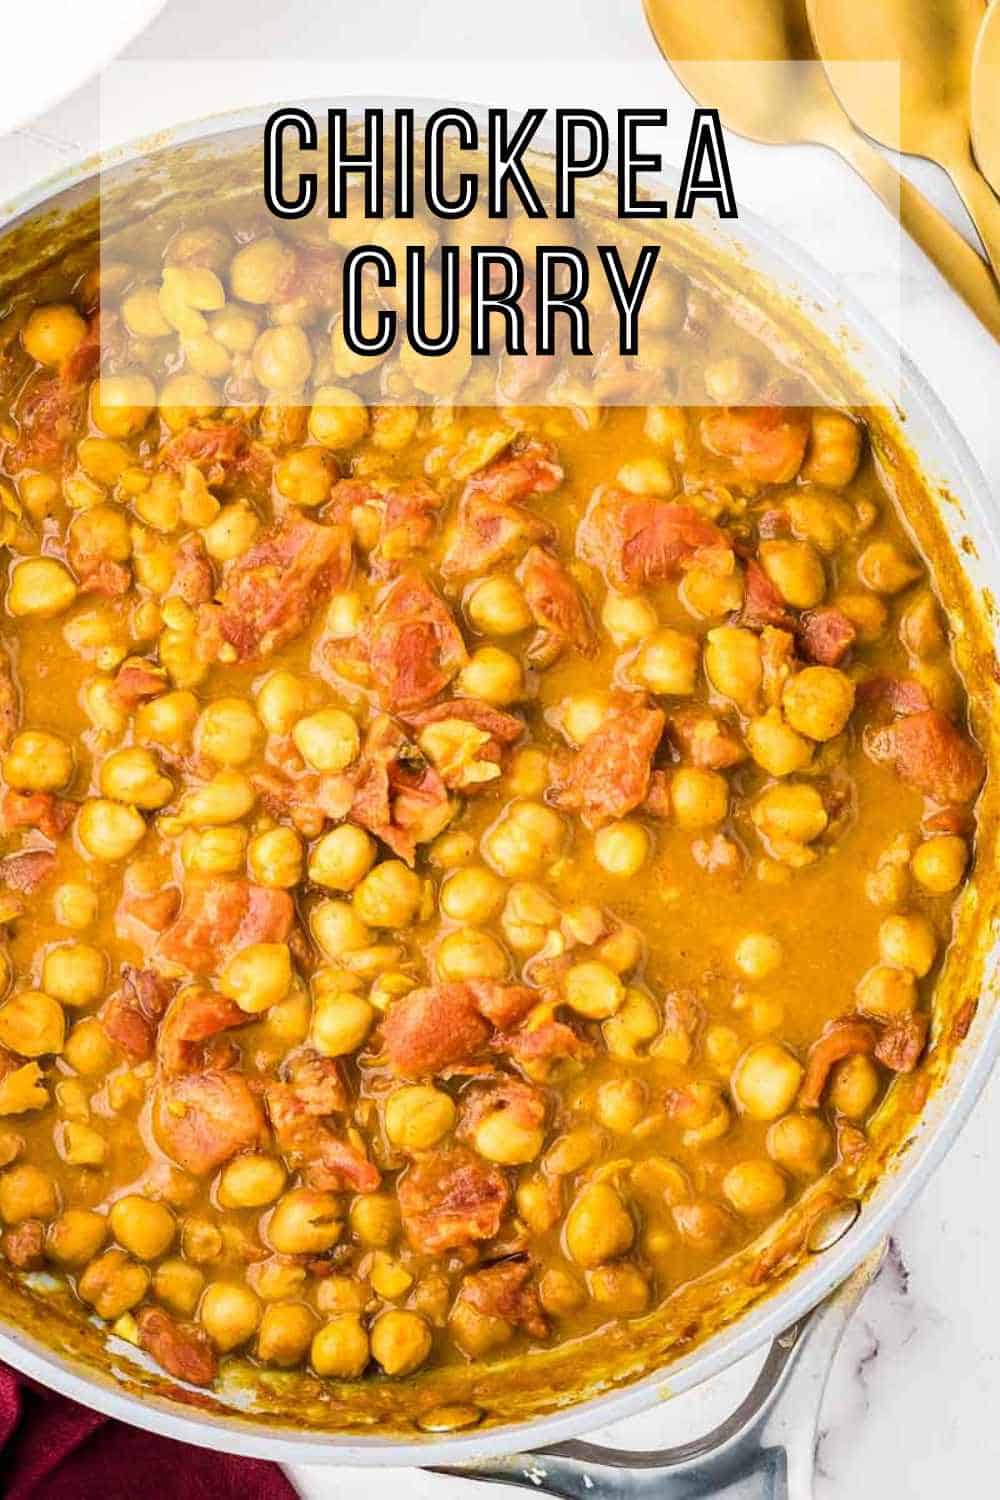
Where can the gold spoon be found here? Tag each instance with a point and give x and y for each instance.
(986, 97)
(933, 41)
(797, 106)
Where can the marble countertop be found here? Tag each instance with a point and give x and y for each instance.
(910, 1407)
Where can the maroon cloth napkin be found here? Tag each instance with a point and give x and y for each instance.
(52, 1449)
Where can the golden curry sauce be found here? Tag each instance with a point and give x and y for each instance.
(466, 871)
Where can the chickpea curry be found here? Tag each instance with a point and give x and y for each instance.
(465, 871)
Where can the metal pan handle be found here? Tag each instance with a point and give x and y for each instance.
(764, 1451)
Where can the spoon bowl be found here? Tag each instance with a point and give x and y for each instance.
(986, 98)
(794, 105)
(933, 42)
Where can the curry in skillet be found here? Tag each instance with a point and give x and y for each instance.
(465, 870)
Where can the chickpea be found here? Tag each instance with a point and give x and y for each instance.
(418, 1116)
(622, 848)
(40, 586)
(502, 1138)
(214, 851)
(341, 858)
(791, 812)
(33, 1024)
(594, 990)
(285, 1333)
(38, 762)
(133, 776)
(52, 333)
(834, 450)
(87, 1048)
(854, 1087)
(758, 955)
(525, 840)
(754, 1188)
(628, 618)
(471, 954)
(227, 732)
(305, 476)
(388, 896)
(226, 798)
(472, 895)
(75, 1237)
(733, 665)
(338, 418)
(621, 1287)
(707, 1226)
(230, 534)
(178, 1285)
(282, 358)
(667, 663)
(710, 592)
(732, 379)
(400, 1341)
(113, 1284)
(340, 1348)
(582, 714)
(337, 928)
(647, 476)
(908, 942)
(885, 569)
(766, 1080)
(637, 1022)
(187, 397)
(939, 863)
(818, 701)
(796, 570)
(281, 701)
(497, 606)
(560, 1292)
(341, 1022)
(143, 1227)
(121, 405)
(251, 1180)
(167, 721)
(75, 973)
(493, 675)
(229, 1314)
(75, 905)
(26, 1192)
(275, 858)
(258, 976)
(887, 994)
(800, 1144)
(305, 1222)
(621, 1104)
(698, 798)
(374, 1219)
(328, 740)
(539, 1204)
(109, 831)
(341, 1294)
(598, 1226)
(776, 747)
(82, 1146)
(262, 271)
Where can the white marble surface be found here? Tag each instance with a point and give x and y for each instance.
(911, 1406)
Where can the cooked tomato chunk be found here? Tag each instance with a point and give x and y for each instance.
(765, 444)
(635, 540)
(931, 755)
(415, 647)
(269, 595)
(218, 915)
(451, 1198)
(183, 1349)
(609, 774)
(202, 1119)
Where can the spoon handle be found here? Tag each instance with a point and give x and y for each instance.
(980, 200)
(966, 272)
